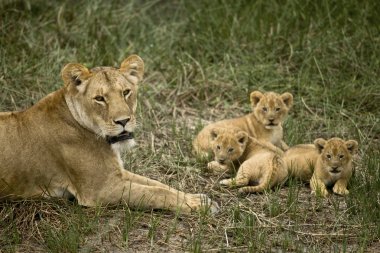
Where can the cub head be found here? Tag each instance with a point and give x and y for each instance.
(104, 99)
(228, 144)
(336, 153)
(270, 108)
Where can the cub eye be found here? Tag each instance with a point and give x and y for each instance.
(230, 150)
(265, 109)
(341, 157)
(278, 109)
(328, 157)
(99, 98)
(218, 147)
(126, 93)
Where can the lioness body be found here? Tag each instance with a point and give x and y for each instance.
(264, 123)
(69, 143)
(261, 162)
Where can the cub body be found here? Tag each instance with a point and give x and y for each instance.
(260, 162)
(264, 123)
(300, 161)
(333, 166)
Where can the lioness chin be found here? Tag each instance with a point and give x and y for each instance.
(70, 143)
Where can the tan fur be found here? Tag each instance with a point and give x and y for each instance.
(333, 166)
(59, 147)
(260, 161)
(264, 123)
(300, 161)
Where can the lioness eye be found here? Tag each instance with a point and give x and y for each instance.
(126, 92)
(99, 98)
(230, 150)
(265, 109)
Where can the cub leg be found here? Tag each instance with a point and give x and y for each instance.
(241, 178)
(318, 186)
(340, 187)
(264, 183)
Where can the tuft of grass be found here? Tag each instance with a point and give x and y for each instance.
(203, 58)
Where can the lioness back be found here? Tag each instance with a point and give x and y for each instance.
(264, 123)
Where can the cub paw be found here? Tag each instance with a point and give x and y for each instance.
(340, 190)
(320, 192)
(225, 182)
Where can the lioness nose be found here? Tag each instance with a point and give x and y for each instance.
(122, 122)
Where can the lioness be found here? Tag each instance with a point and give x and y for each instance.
(264, 123)
(261, 162)
(70, 143)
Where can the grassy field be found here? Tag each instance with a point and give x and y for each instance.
(203, 58)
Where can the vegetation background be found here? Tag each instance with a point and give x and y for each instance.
(203, 58)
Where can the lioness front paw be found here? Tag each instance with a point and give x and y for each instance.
(197, 202)
(340, 190)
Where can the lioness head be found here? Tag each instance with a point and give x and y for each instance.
(227, 144)
(335, 153)
(103, 99)
(271, 108)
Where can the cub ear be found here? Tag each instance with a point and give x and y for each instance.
(74, 74)
(352, 146)
(256, 96)
(287, 98)
(242, 137)
(214, 132)
(133, 68)
(320, 144)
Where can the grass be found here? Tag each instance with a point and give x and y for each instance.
(202, 59)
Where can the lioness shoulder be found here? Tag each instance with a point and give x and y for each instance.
(264, 123)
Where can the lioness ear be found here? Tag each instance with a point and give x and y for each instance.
(74, 74)
(352, 146)
(255, 97)
(287, 98)
(320, 144)
(242, 137)
(133, 68)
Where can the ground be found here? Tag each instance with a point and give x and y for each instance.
(203, 58)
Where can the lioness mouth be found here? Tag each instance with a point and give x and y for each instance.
(121, 137)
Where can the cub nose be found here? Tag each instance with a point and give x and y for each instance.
(222, 160)
(122, 122)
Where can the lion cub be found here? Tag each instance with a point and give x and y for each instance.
(264, 123)
(327, 163)
(261, 162)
